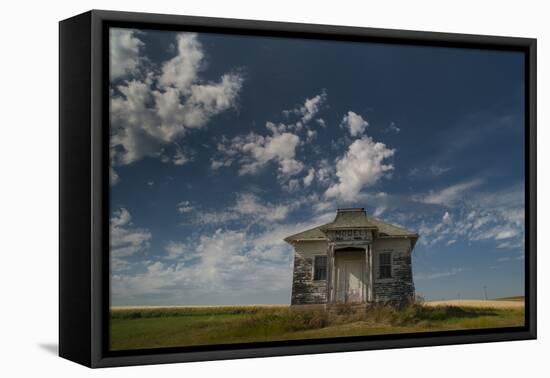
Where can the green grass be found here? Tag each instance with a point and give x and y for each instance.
(169, 327)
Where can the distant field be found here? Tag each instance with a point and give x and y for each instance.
(517, 302)
(519, 298)
(154, 327)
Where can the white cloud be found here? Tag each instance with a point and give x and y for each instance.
(311, 134)
(151, 113)
(324, 172)
(179, 251)
(361, 166)
(248, 208)
(182, 70)
(308, 179)
(184, 207)
(450, 195)
(515, 258)
(394, 128)
(125, 239)
(498, 232)
(437, 170)
(428, 172)
(124, 52)
(379, 210)
(181, 158)
(113, 176)
(494, 216)
(355, 124)
(437, 275)
(512, 244)
(250, 204)
(225, 267)
(256, 151)
(310, 108)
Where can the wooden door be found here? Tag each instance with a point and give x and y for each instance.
(349, 280)
(354, 281)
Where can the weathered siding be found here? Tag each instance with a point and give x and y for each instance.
(397, 289)
(304, 289)
(400, 286)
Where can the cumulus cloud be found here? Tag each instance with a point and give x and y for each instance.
(179, 251)
(222, 267)
(250, 204)
(309, 109)
(153, 112)
(181, 71)
(354, 123)
(362, 165)
(124, 52)
(324, 171)
(125, 239)
(255, 151)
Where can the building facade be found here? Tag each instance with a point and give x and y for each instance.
(355, 259)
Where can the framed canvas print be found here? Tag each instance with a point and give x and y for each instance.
(233, 188)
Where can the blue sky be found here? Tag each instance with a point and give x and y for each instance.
(223, 145)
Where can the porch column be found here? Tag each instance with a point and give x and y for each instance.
(330, 271)
(370, 289)
(366, 275)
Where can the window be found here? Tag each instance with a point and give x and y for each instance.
(320, 268)
(384, 265)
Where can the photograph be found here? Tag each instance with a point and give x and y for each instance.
(269, 188)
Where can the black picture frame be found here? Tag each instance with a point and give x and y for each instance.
(84, 188)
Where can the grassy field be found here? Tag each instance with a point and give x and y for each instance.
(518, 298)
(136, 328)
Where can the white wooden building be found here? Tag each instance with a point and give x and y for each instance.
(354, 259)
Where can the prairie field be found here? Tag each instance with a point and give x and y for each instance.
(157, 327)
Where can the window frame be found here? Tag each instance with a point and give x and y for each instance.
(314, 268)
(389, 264)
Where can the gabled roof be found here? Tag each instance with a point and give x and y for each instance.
(352, 218)
(314, 233)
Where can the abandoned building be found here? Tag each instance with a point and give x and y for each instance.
(355, 259)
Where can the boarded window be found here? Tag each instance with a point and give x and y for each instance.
(384, 265)
(320, 268)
